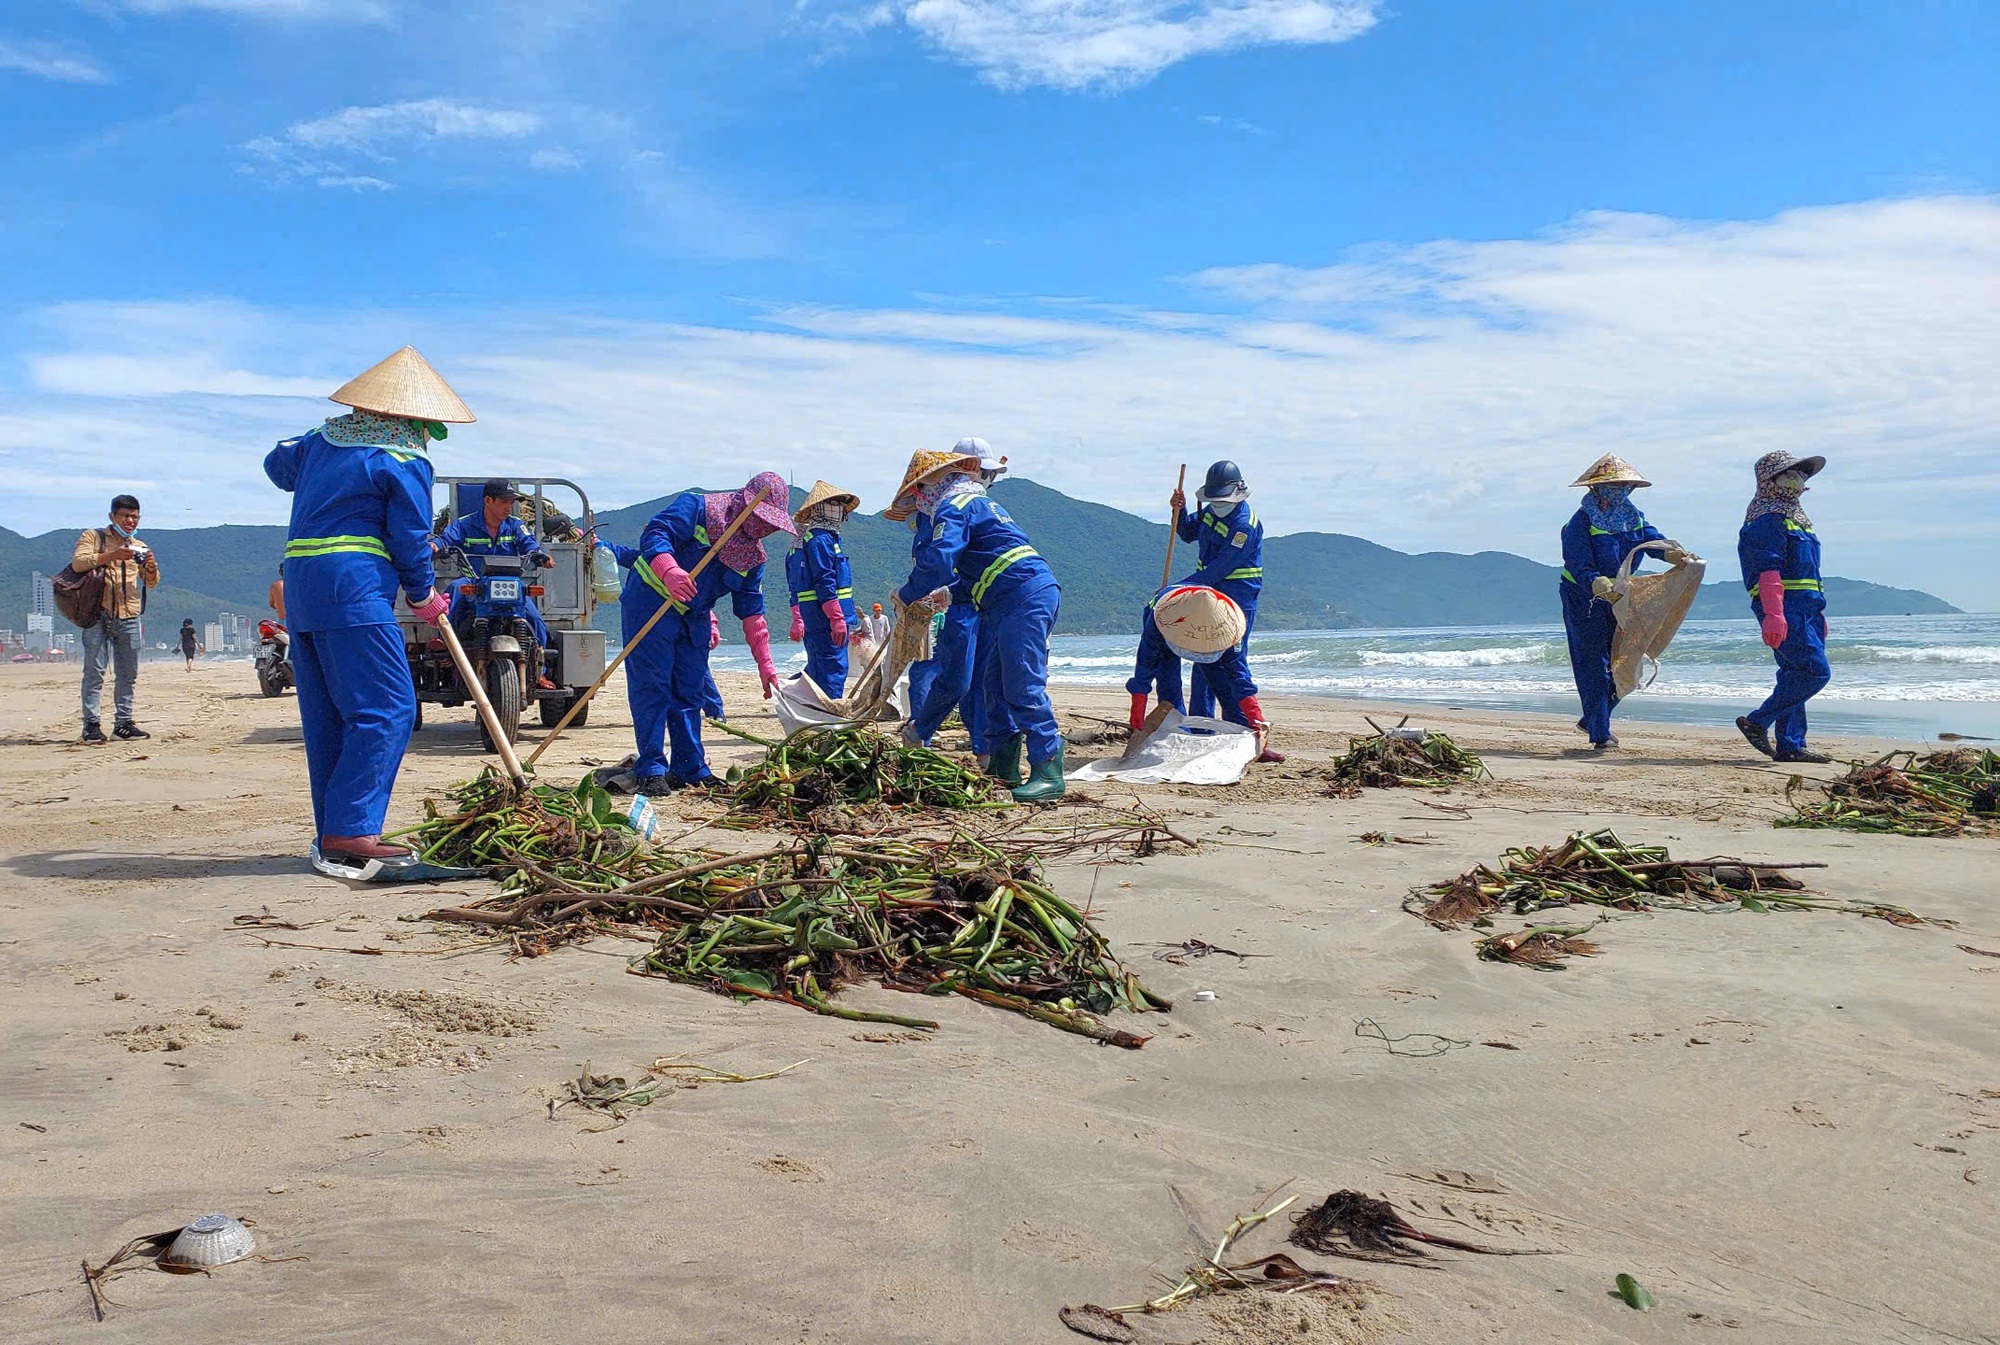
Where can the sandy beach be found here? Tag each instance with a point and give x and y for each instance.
(1786, 1126)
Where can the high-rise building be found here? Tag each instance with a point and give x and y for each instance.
(211, 636)
(42, 595)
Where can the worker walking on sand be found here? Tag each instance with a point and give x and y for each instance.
(1204, 626)
(361, 503)
(1230, 548)
(822, 586)
(971, 539)
(497, 531)
(1605, 529)
(960, 655)
(1780, 555)
(666, 674)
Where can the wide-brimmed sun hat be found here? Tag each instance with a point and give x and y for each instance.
(925, 464)
(404, 385)
(821, 493)
(1611, 470)
(771, 509)
(1198, 623)
(1779, 462)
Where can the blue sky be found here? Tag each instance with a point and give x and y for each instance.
(1414, 264)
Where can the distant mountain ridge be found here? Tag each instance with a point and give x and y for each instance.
(1108, 562)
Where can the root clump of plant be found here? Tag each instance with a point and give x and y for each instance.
(1401, 758)
(1950, 793)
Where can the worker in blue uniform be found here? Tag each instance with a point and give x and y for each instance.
(1780, 555)
(711, 697)
(496, 531)
(360, 525)
(822, 585)
(666, 673)
(971, 538)
(960, 654)
(1230, 548)
(1605, 529)
(1182, 622)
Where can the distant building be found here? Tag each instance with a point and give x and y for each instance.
(42, 594)
(211, 636)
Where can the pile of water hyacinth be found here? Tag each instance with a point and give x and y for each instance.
(796, 922)
(1398, 757)
(1941, 794)
(1597, 869)
(853, 767)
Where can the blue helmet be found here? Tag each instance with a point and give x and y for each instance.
(1225, 482)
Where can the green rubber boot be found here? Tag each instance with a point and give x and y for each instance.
(1005, 764)
(1045, 782)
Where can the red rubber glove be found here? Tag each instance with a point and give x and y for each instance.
(757, 634)
(1138, 717)
(1253, 713)
(1771, 593)
(432, 608)
(714, 629)
(836, 620)
(798, 630)
(673, 577)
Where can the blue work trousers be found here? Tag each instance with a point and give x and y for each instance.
(1158, 670)
(1590, 623)
(1202, 688)
(667, 684)
(956, 674)
(711, 699)
(826, 660)
(1016, 695)
(357, 706)
(1803, 672)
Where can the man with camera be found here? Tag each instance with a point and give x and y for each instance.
(128, 569)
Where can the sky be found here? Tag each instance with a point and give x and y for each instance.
(1413, 264)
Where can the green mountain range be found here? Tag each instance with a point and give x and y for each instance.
(1108, 561)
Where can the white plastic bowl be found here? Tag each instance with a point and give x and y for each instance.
(210, 1240)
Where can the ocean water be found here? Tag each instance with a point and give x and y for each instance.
(1900, 677)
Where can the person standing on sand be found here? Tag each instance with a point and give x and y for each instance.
(1230, 546)
(822, 586)
(1780, 556)
(1205, 627)
(190, 643)
(361, 514)
(1606, 529)
(128, 568)
(959, 655)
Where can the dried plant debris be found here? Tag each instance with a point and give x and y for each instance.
(855, 766)
(1365, 1228)
(1402, 757)
(1598, 869)
(612, 1095)
(1941, 794)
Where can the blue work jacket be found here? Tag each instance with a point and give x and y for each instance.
(360, 523)
(1590, 551)
(469, 534)
(1230, 549)
(681, 530)
(1775, 542)
(972, 539)
(818, 571)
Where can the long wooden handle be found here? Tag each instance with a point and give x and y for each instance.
(1173, 532)
(477, 690)
(670, 604)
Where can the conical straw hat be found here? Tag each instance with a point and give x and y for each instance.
(1611, 470)
(926, 463)
(822, 492)
(404, 385)
(1198, 623)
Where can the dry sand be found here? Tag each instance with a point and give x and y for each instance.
(1786, 1126)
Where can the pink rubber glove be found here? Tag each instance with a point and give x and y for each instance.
(1771, 593)
(714, 629)
(674, 578)
(798, 631)
(431, 608)
(836, 620)
(757, 634)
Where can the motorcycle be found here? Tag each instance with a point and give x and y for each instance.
(274, 661)
(499, 643)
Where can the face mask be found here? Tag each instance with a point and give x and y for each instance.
(119, 528)
(1792, 484)
(1613, 495)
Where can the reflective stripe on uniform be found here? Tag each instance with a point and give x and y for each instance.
(1797, 586)
(812, 594)
(327, 546)
(1247, 572)
(1001, 564)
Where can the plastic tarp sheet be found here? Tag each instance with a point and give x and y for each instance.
(1181, 751)
(800, 704)
(1649, 612)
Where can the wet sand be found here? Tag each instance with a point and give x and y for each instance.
(1786, 1126)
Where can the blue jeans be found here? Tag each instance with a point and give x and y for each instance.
(112, 642)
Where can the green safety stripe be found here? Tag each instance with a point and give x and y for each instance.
(1797, 586)
(701, 534)
(1247, 572)
(1005, 561)
(1596, 531)
(812, 594)
(327, 546)
(1793, 525)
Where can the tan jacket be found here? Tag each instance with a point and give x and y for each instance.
(121, 578)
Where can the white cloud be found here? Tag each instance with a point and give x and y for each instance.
(555, 160)
(1430, 397)
(47, 60)
(394, 125)
(356, 182)
(1106, 44)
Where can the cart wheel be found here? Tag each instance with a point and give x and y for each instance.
(553, 711)
(503, 688)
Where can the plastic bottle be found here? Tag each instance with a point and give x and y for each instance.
(604, 572)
